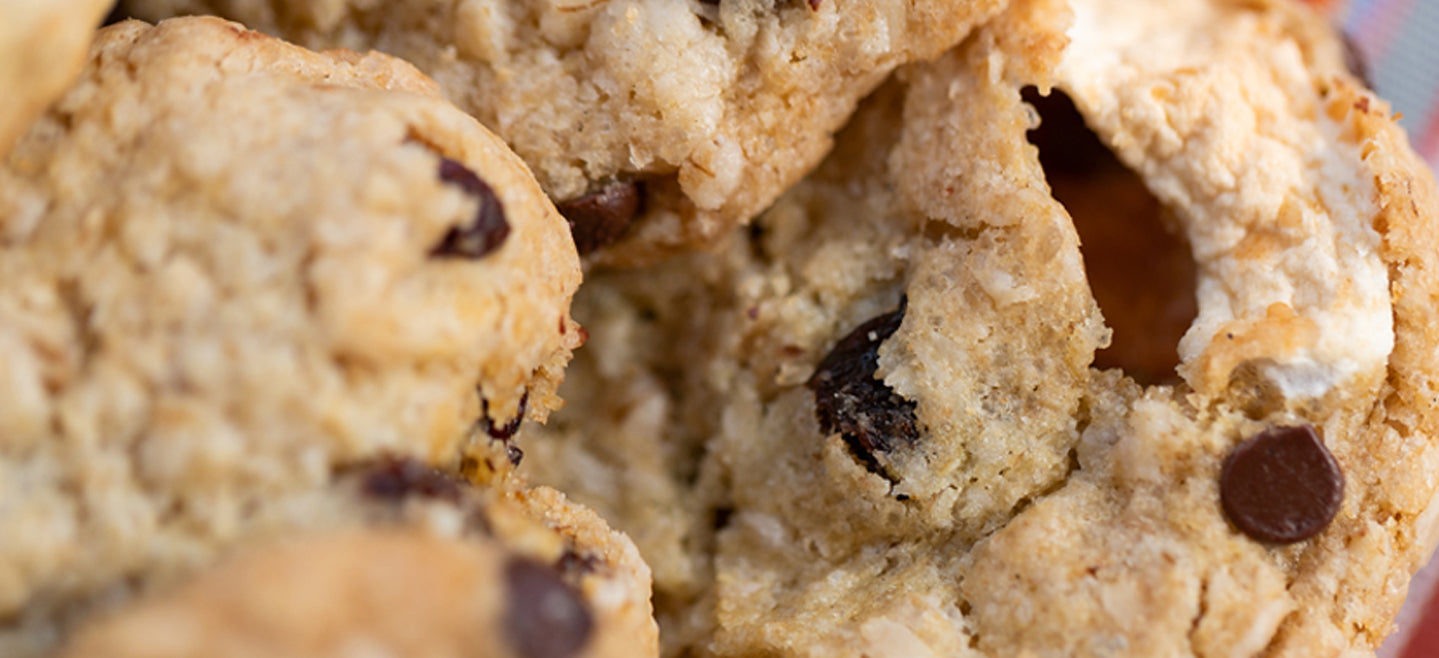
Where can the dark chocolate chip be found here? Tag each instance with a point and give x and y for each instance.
(1282, 485)
(867, 413)
(1355, 61)
(393, 478)
(489, 228)
(503, 432)
(546, 616)
(602, 217)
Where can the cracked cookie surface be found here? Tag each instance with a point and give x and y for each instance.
(706, 110)
(398, 558)
(1049, 507)
(228, 264)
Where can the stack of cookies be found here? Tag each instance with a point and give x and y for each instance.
(590, 328)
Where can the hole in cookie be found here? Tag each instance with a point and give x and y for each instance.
(1139, 265)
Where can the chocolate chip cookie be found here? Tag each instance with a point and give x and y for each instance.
(1106, 333)
(660, 124)
(228, 264)
(42, 46)
(400, 559)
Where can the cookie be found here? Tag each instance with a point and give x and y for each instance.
(42, 47)
(660, 124)
(228, 264)
(966, 402)
(401, 559)
(639, 405)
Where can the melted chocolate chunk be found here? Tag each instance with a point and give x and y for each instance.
(489, 228)
(393, 478)
(1282, 485)
(867, 413)
(600, 218)
(546, 617)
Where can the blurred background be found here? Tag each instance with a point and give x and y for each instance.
(1399, 39)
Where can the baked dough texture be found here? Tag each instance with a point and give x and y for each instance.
(715, 108)
(893, 420)
(42, 47)
(396, 558)
(228, 265)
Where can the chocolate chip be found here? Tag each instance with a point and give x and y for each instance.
(503, 432)
(1355, 61)
(489, 228)
(868, 414)
(546, 617)
(1282, 485)
(393, 478)
(602, 217)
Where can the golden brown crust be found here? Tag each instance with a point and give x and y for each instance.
(221, 276)
(717, 107)
(442, 570)
(1046, 507)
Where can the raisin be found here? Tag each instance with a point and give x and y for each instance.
(393, 478)
(602, 217)
(503, 432)
(870, 417)
(487, 231)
